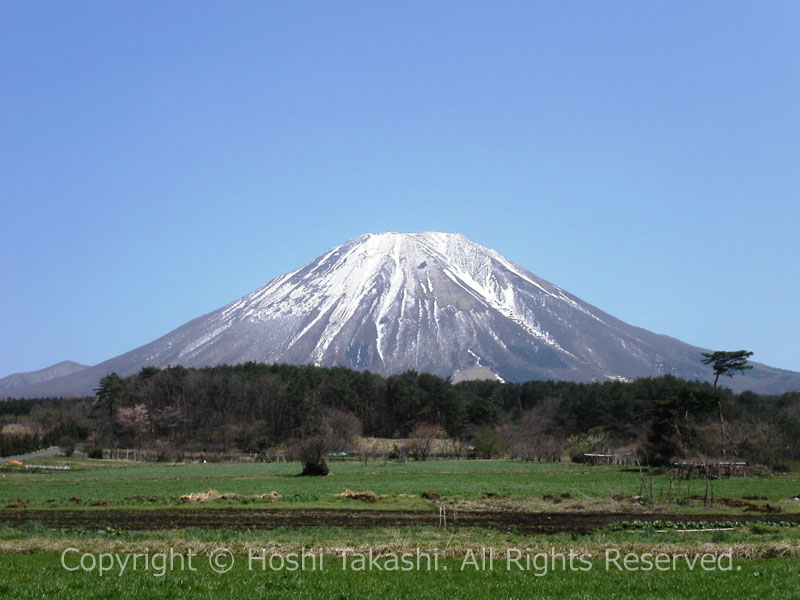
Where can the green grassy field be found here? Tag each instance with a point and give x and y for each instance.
(121, 483)
(41, 576)
(766, 557)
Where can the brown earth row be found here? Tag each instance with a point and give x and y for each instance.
(210, 518)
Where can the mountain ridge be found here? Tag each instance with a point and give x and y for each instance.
(431, 301)
(16, 380)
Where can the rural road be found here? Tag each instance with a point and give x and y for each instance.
(32, 455)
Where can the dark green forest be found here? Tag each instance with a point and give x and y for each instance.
(256, 408)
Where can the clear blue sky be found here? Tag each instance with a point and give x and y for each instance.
(162, 159)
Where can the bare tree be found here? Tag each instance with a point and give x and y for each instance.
(337, 432)
(422, 438)
(344, 425)
(312, 451)
(538, 434)
(367, 448)
(168, 419)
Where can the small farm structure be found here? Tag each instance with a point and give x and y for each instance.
(595, 458)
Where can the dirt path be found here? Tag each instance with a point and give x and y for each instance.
(148, 519)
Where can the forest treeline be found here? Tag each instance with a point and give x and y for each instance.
(256, 407)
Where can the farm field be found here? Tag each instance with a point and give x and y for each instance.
(119, 508)
(499, 483)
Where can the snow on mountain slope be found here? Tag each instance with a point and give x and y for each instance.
(434, 302)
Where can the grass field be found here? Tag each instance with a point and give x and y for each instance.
(41, 576)
(765, 555)
(122, 483)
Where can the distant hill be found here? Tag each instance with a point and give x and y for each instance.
(12, 385)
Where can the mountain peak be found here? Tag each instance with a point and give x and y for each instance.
(387, 241)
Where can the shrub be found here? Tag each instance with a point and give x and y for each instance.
(487, 443)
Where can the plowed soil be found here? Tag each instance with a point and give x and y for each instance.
(226, 518)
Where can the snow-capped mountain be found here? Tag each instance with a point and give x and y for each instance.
(434, 302)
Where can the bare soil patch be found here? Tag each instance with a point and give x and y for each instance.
(232, 518)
